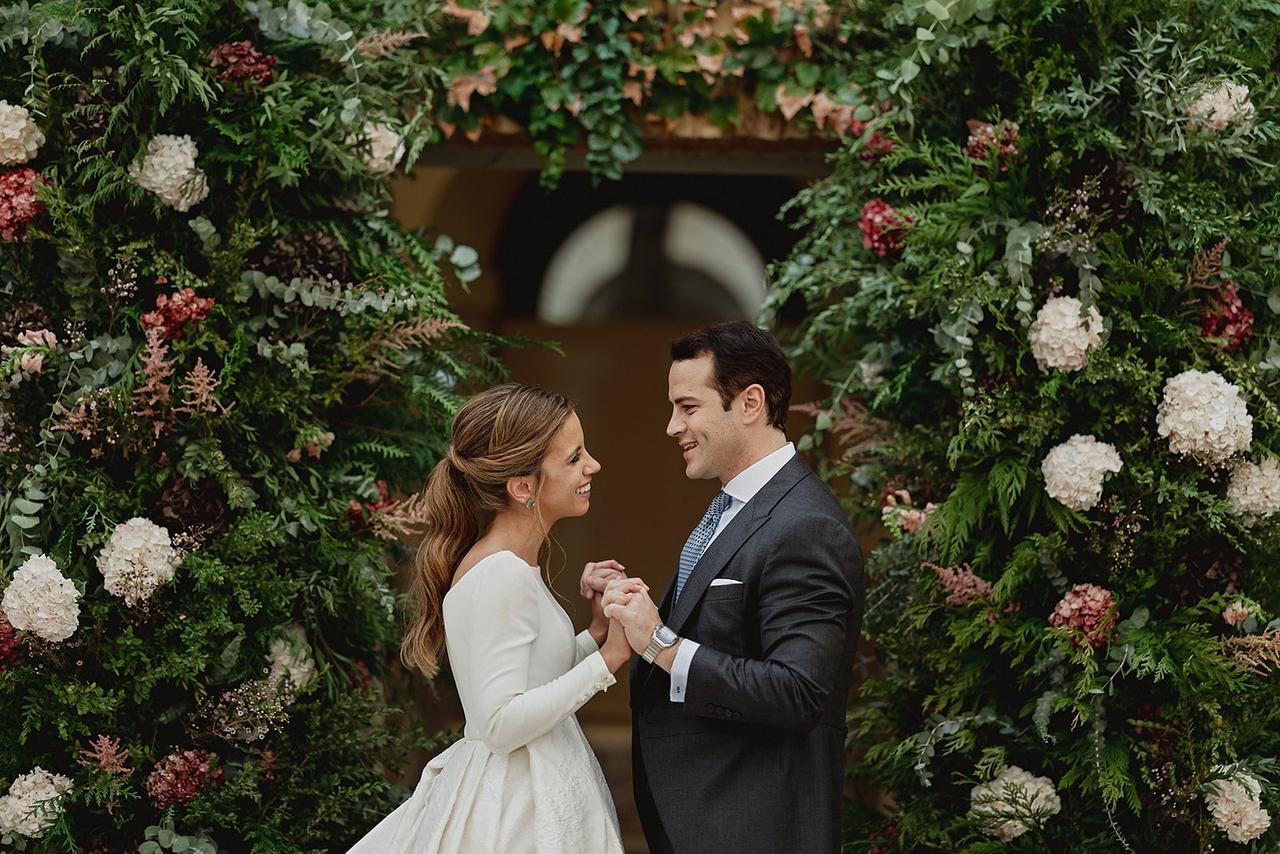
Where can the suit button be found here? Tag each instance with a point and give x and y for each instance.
(712, 707)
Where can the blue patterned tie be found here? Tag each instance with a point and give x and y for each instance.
(697, 542)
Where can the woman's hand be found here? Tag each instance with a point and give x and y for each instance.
(616, 650)
(596, 576)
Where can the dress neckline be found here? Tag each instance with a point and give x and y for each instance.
(454, 586)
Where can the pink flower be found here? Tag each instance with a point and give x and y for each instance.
(882, 227)
(294, 456)
(961, 585)
(173, 313)
(18, 204)
(31, 363)
(913, 520)
(1090, 609)
(37, 338)
(984, 135)
(1225, 316)
(1236, 613)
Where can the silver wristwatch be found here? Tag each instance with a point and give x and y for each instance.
(663, 638)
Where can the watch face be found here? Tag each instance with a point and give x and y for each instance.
(664, 635)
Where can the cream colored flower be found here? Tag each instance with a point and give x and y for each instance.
(1218, 107)
(290, 660)
(1204, 417)
(1074, 471)
(169, 170)
(40, 600)
(1236, 806)
(137, 559)
(1064, 334)
(20, 138)
(33, 803)
(385, 148)
(1254, 490)
(1013, 803)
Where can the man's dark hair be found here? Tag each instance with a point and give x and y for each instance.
(742, 354)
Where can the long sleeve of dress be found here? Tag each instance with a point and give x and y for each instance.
(585, 644)
(509, 712)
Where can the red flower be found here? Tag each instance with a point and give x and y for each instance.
(1226, 317)
(173, 313)
(882, 227)
(9, 643)
(877, 145)
(241, 63)
(356, 511)
(180, 776)
(18, 205)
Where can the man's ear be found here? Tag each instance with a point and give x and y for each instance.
(752, 401)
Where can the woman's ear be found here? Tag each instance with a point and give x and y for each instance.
(521, 489)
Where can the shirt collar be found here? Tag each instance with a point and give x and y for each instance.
(753, 478)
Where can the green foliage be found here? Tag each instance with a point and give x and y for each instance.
(1111, 190)
(594, 75)
(270, 432)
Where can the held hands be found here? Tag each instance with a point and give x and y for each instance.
(627, 601)
(609, 635)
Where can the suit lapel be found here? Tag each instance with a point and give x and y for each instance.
(726, 545)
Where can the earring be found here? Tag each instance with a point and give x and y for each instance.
(530, 503)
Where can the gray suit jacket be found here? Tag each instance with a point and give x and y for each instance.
(753, 761)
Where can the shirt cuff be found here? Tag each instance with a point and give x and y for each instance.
(680, 669)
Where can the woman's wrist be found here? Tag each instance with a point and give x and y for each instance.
(599, 633)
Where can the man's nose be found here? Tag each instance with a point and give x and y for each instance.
(675, 426)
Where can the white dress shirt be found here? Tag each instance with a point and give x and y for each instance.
(740, 490)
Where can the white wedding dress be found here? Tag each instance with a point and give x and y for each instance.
(523, 779)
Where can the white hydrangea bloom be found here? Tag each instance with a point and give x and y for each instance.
(1014, 802)
(1063, 335)
(1254, 491)
(1074, 471)
(385, 148)
(169, 170)
(290, 660)
(1204, 416)
(1236, 805)
(1220, 106)
(40, 600)
(20, 138)
(33, 803)
(137, 559)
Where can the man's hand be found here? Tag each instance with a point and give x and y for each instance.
(627, 601)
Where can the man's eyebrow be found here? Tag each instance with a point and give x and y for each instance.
(685, 398)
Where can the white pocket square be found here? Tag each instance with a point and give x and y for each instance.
(717, 582)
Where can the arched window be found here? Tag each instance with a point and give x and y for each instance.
(680, 261)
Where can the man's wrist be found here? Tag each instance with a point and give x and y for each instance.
(646, 635)
(667, 658)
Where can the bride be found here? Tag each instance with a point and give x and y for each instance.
(523, 778)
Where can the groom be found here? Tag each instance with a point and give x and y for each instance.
(738, 704)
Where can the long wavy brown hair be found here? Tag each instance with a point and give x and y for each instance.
(501, 433)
